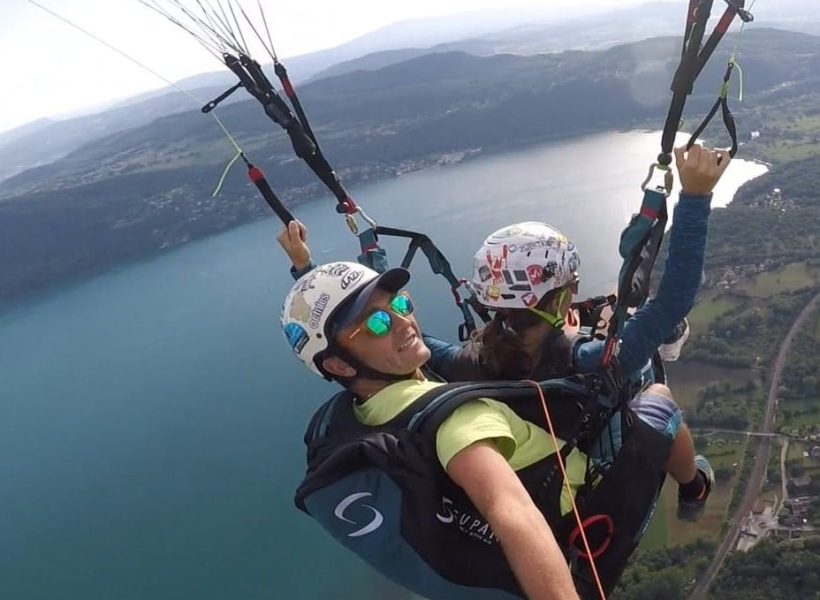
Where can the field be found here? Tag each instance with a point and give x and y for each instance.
(710, 307)
(686, 378)
(793, 277)
(724, 451)
(794, 133)
(796, 457)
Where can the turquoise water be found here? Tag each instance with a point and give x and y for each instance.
(151, 419)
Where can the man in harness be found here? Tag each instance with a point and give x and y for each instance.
(454, 491)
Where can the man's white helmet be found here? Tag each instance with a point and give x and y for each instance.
(520, 264)
(327, 299)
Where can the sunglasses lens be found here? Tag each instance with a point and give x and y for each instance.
(402, 305)
(379, 323)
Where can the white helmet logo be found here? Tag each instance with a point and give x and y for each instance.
(377, 521)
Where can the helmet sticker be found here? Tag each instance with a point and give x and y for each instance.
(494, 292)
(550, 270)
(299, 309)
(309, 282)
(529, 299)
(336, 269)
(484, 274)
(496, 264)
(535, 274)
(297, 337)
(573, 263)
(508, 233)
(318, 310)
(350, 278)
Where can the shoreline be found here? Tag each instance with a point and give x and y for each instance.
(47, 289)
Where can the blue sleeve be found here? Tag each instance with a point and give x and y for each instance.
(454, 362)
(587, 356)
(299, 273)
(656, 319)
(441, 353)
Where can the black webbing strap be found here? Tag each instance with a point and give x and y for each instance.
(440, 266)
(290, 92)
(254, 80)
(258, 179)
(728, 118)
(694, 56)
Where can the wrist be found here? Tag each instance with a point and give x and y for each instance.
(696, 195)
(298, 273)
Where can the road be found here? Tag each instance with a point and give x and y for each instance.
(761, 459)
(701, 431)
(784, 477)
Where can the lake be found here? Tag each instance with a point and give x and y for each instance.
(151, 419)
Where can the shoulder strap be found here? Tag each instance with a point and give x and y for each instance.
(330, 417)
(516, 394)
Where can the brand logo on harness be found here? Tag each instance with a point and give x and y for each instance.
(471, 525)
(340, 509)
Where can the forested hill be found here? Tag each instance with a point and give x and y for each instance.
(438, 104)
(146, 189)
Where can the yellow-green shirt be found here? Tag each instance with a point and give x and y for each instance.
(520, 442)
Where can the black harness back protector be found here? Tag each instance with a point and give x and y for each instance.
(435, 519)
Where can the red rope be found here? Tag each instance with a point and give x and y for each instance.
(569, 490)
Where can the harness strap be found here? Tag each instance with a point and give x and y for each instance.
(639, 247)
(440, 266)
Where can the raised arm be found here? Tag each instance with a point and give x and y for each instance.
(700, 170)
(526, 538)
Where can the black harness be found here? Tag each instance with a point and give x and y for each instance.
(382, 493)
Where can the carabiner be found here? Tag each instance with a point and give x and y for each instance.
(668, 179)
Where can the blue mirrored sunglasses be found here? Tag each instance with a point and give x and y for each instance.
(379, 322)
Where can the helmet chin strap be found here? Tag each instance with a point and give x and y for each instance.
(556, 321)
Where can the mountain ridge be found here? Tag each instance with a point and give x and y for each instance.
(144, 190)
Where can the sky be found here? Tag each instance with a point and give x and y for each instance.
(61, 70)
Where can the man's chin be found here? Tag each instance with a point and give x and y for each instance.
(418, 361)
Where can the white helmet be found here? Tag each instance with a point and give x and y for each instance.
(518, 265)
(327, 299)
